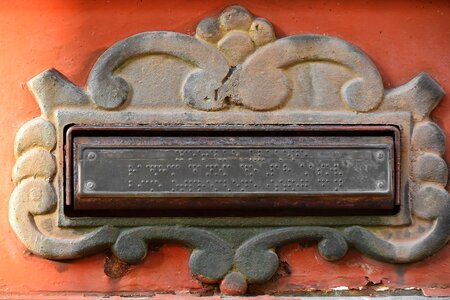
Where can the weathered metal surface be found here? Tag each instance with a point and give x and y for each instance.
(234, 170)
(343, 217)
(249, 78)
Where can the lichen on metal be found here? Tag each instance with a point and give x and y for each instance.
(233, 71)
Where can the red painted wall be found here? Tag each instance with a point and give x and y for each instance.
(402, 37)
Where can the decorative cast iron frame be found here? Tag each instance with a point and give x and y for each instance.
(235, 72)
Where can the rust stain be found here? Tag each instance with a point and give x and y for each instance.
(205, 291)
(60, 266)
(114, 267)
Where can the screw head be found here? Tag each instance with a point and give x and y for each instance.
(90, 185)
(379, 155)
(91, 156)
(381, 184)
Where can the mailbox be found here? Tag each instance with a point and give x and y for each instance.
(234, 143)
(232, 170)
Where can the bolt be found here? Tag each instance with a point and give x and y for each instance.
(90, 185)
(91, 156)
(380, 184)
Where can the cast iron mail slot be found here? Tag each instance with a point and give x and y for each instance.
(238, 168)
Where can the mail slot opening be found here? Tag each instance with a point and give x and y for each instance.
(231, 171)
